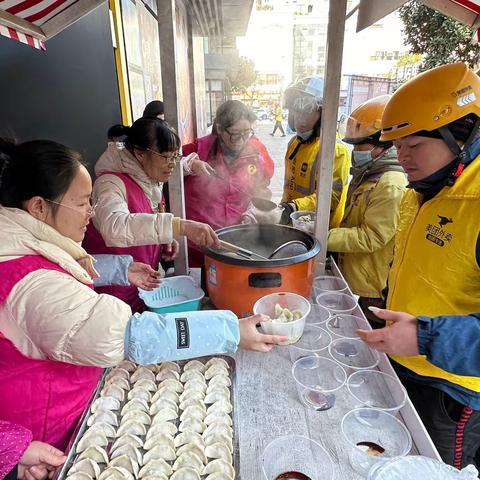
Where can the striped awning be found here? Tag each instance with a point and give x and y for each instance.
(34, 21)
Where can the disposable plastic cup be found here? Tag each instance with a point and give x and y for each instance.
(294, 329)
(372, 388)
(337, 302)
(306, 226)
(353, 354)
(315, 341)
(373, 436)
(345, 325)
(328, 283)
(295, 453)
(318, 315)
(318, 378)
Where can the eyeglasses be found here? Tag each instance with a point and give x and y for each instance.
(235, 137)
(89, 212)
(168, 159)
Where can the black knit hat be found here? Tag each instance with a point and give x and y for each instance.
(153, 109)
(460, 129)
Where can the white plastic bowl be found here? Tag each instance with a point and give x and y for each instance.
(308, 227)
(292, 301)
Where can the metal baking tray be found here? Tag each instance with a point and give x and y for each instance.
(82, 427)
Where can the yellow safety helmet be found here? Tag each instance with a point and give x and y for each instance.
(365, 122)
(431, 100)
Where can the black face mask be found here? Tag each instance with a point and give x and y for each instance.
(432, 184)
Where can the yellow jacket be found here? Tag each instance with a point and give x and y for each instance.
(435, 270)
(301, 177)
(278, 114)
(365, 237)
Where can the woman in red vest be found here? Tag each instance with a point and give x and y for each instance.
(130, 218)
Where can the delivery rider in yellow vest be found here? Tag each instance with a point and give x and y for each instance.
(304, 101)
(434, 283)
(365, 237)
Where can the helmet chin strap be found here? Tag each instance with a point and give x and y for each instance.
(460, 153)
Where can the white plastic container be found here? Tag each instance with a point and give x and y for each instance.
(309, 226)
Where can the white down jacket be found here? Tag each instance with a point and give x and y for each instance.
(49, 314)
(119, 227)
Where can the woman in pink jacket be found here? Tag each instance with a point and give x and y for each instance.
(240, 168)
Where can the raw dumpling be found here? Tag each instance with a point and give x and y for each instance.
(79, 476)
(192, 375)
(158, 476)
(140, 393)
(218, 428)
(220, 380)
(105, 416)
(87, 466)
(172, 366)
(142, 372)
(133, 427)
(216, 370)
(126, 462)
(149, 385)
(159, 439)
(167, 428)
(164, 374)
(219, 476)
(162, 403)
(127, 439)
(135, 404)
(112, 390)
(128, 450)
(156, 467)
(121, 382)
(117, 372)
(217, 417)
(217, 361)
(193, 412)
(97, 454)
(116, 473)
(191, 447)
(194, 365)
(185, 473)
(191, 394)
(172, 384)
(222, 393)
(192, 424)
(220, 466)
(218, 450)
(90, 439)
(192, 401)
(188, 459)
(165, 415)
(164, 392)
(195, 384)
(160, 451)
(105, 403)
(127, 365)
(104, 428)
(219, 438)
(137, 415)
(189, 437)
(221, 406)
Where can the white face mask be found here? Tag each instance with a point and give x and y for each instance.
(360, 159)
(305, 135)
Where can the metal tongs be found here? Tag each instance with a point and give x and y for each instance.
(242, 252)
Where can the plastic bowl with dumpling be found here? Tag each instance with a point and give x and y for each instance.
(287, 312)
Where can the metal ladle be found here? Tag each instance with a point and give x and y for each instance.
(288, 249)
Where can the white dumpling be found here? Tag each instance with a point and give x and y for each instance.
(194, 365)
(79, 476)
(191, 394)
(192, 375)
(105, 403)
(97, 454)
(192, 424)
(158, 476)
(160, 451)
(135, 404)
(219, 476)
(92, 438)
(171, 384)
(137, 415)
(165, 415)
(156, 467)
(224, 406)
(114, 391)
(217, 361)
(191, 447)
(218, 450)
(167, 428)
(105, 416)
(87, 466)
(127, 365)
(133, 427)
(159, 439)
(188, 459)
(220, 380)
(185, 473)
(218, 417)
(117, 372)
(219, 438)
(116, 473)
(126, 462)
(128, 450)
(102, 427)
(220, 466)
(193, 411)
(195, 385)
(127, 439)
(162, 403)
(220, 428)
(189, 437)
(216, 370)
(164, 374)
(175, 367)
(142, 372)
(222, 393)
(120, 382)
(140, 393)
(147, 384)
(164, 392)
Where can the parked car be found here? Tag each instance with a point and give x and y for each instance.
(262, 113)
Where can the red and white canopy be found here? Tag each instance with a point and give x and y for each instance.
(34, 21)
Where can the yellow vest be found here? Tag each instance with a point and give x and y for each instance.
(435, 270)
(301, 178)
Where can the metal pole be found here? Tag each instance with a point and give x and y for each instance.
(333, 74)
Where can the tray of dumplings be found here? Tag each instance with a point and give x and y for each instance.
(172, 421)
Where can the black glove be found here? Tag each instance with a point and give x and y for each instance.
(288, 208)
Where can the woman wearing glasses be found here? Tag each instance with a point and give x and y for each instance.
(130, 217)
(241, 168)
(56, 332)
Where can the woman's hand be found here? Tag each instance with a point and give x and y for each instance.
(198, 167)
(143, 276)
(39, 461)
(252, 339)
(170, 251)
(199, 233)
